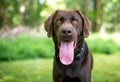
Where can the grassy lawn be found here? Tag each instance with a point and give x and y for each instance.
(106, 69)
(37, 70)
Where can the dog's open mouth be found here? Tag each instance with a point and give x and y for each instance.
(66, 53)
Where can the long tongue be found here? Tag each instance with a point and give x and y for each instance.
(66, 52)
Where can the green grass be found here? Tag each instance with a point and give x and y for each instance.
(106, 69)
(37, 70)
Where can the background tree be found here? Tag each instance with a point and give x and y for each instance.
(3, 20)
(102, 13)
(98, 15)
(112, 15)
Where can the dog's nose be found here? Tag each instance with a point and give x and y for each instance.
(67, 31)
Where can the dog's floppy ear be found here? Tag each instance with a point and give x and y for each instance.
(86, 27)
(48, 25)
(86, 24)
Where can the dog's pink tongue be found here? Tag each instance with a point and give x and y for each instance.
(66, 52)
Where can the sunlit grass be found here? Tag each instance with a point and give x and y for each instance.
(39, 70)
(106, 69)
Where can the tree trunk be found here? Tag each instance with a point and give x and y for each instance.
(86, 7)
(98, 15)
(3, 19)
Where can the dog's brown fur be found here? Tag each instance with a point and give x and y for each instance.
(68, 25)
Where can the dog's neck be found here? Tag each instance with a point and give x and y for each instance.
(80, 41)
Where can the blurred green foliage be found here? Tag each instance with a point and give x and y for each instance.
(106, 44)
(34, 12)
(24, 47)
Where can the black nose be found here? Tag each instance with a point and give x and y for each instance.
(66, 31)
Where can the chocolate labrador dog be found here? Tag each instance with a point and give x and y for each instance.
(72, 60)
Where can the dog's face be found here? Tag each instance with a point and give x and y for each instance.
(67, 27)
(71, 21)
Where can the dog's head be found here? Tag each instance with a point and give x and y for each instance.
(67, 27)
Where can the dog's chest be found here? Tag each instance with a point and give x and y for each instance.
(71, 70)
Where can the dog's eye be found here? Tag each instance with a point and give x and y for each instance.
(75, 22)
(58, 21)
